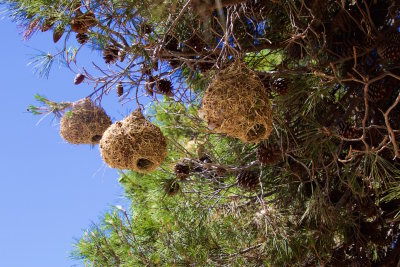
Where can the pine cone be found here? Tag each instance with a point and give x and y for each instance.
(379, 91)
(47, 24)
(248, 180)
(110, 54)
(79, 78)
(171, 187)
(389, 50)
(164, 87)
(82, 38)
(149, 86)
(78, 27)
(120, 89)
(269, 155)
(280, 86)
(58, 33)
(89, 19)
(182, 170)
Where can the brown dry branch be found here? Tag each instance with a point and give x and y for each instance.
(389, 128)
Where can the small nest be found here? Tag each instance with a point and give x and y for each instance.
(236, 104)
(134, 143)
(85, 123)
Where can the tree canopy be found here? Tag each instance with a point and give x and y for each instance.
(281, 117)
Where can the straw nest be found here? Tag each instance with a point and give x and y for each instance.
(85, 123)
(134, 143)
(236, 104)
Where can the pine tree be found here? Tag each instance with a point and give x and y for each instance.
(329, 197)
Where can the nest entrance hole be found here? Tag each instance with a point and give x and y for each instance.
(144, 164)
(96, 138)
(256, 132)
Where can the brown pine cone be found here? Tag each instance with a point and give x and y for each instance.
(248, 180)
(269, 154)
(182, 170)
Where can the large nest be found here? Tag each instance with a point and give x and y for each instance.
(134, 143)
(236, 104)
(85, 123)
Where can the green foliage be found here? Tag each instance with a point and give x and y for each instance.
(264, 60)
(164, 231)
(48, 107)
(42, 64)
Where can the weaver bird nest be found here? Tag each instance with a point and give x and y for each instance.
(134, 143)
(236, 104)
(85, 123)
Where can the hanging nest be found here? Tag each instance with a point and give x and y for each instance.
(134, 143)
(236, 104)
(85, 123)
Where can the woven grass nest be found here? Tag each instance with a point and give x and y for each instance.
(134, 143)
(236, 104)
(85, 123)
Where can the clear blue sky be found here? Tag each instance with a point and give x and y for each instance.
(49, 190)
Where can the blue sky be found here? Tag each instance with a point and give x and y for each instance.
(49, 190)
